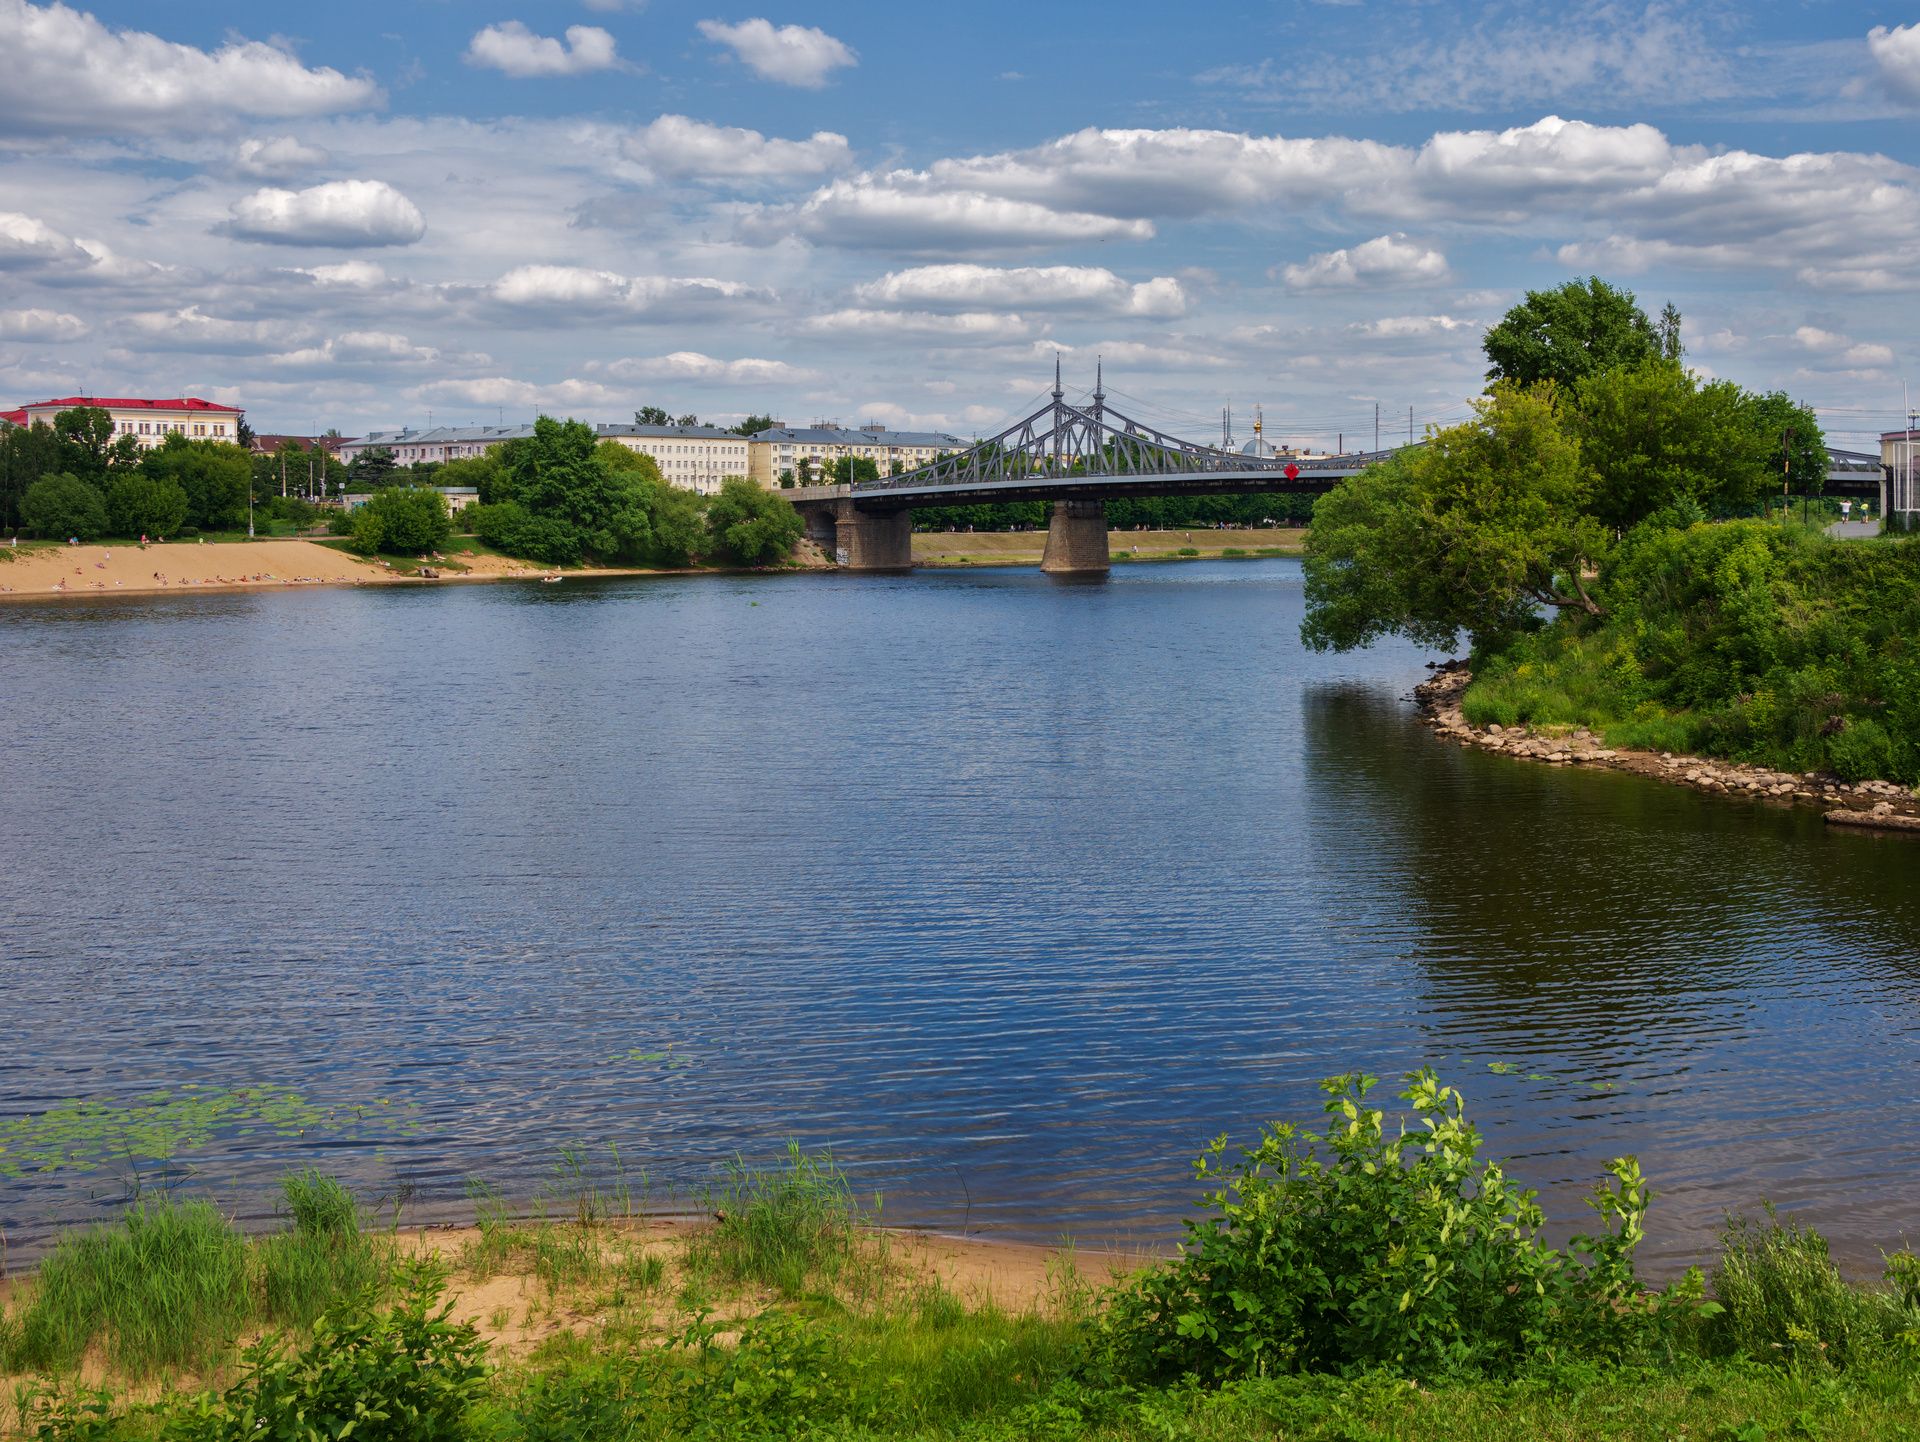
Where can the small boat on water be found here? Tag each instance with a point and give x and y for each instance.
(552, 580)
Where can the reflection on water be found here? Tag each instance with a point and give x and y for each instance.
(1012, 893)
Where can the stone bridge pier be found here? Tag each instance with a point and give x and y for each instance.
(1077, 540)
(859, 540)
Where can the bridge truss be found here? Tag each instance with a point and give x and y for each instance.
(1059, 441)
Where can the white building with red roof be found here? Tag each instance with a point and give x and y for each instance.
(148, 422)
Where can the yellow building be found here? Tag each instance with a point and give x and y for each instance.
(148, 422)
(781, 450)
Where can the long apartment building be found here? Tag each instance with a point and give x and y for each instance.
(781, 451)
(149, 422)
(696, 458)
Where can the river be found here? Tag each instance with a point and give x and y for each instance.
(1011, 892)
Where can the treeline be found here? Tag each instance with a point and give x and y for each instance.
(1580, 534)
(1153, 513)
(77, 479)
(563, 497)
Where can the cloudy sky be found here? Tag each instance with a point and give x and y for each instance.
(360, 214)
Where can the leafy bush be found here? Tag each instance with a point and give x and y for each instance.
(401, 519)
(1364, 1247)
(63, 506)
(507, 526)
(141, 505)
(751, 525)
(407, 1374)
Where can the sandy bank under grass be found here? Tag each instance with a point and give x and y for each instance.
(1009, 548)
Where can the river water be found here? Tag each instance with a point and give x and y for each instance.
(1011, 892)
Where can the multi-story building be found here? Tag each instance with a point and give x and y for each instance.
(783, 448)
(695, 458)
(441, 443)
(148, 422)
(1900, 455)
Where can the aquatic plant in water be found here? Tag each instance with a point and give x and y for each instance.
(82, 1135)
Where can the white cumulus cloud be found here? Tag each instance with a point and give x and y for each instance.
(966, 286)
(692, 365)
(1842, 350)
(790, 54)
(41, 325)
(869, 213)
(511, 48)
(279, 158)
(1383, 261)
(342, 213)
(538, 293)
(855, 323)
(1896, 53)
(678, 146)
(68, 74)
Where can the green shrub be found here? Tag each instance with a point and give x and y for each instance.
(406, 1374)
(1188, 551)
(165, 1287)
(1367, 1247)
(62, 507)
(510, 528)
(401, 520)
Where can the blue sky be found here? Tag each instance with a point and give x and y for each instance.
(364, 214)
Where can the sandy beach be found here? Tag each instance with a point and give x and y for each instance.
(37, 572)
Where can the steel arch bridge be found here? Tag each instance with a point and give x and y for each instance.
(1064, 452)
(1077, 457)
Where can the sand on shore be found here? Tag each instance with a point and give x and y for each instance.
(93, 570)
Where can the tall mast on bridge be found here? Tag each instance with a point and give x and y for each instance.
(1059, 395)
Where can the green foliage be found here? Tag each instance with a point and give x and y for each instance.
(781, 1229)
(372, 470)
(1652, 436)
(751, 525)
(484, 473)
(165, 1287)
(404, 1374)
(847, 469)
(216, 478)
(620, 460)
(753, 425)
(1782, 1300)
(574, 498)
(138, 504)
(1365, 1247)
(86, 436)
(1473, 532)
(63, 506)
(1760, 642)
(1566, 334)
(507, 526)
(401, 520)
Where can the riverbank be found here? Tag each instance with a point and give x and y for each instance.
(1872, 804)
(43, 572)
(1015, 548)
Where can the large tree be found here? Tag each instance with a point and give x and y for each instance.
(63, 507)
(1471, 533)
(1566, 334)
(1652, 435)
(214, 475)
(752, 525)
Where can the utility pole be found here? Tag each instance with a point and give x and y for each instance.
(1409, 425)
(1376, 427)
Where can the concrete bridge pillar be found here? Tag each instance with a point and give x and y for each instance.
(869, 541)
(1076, 539)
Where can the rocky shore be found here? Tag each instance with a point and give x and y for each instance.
(1873, 805)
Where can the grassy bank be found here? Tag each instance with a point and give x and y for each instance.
(1377, 1278)
(1753, 641)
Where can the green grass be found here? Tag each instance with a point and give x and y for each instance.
(168, 1286)
(789, 1229)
